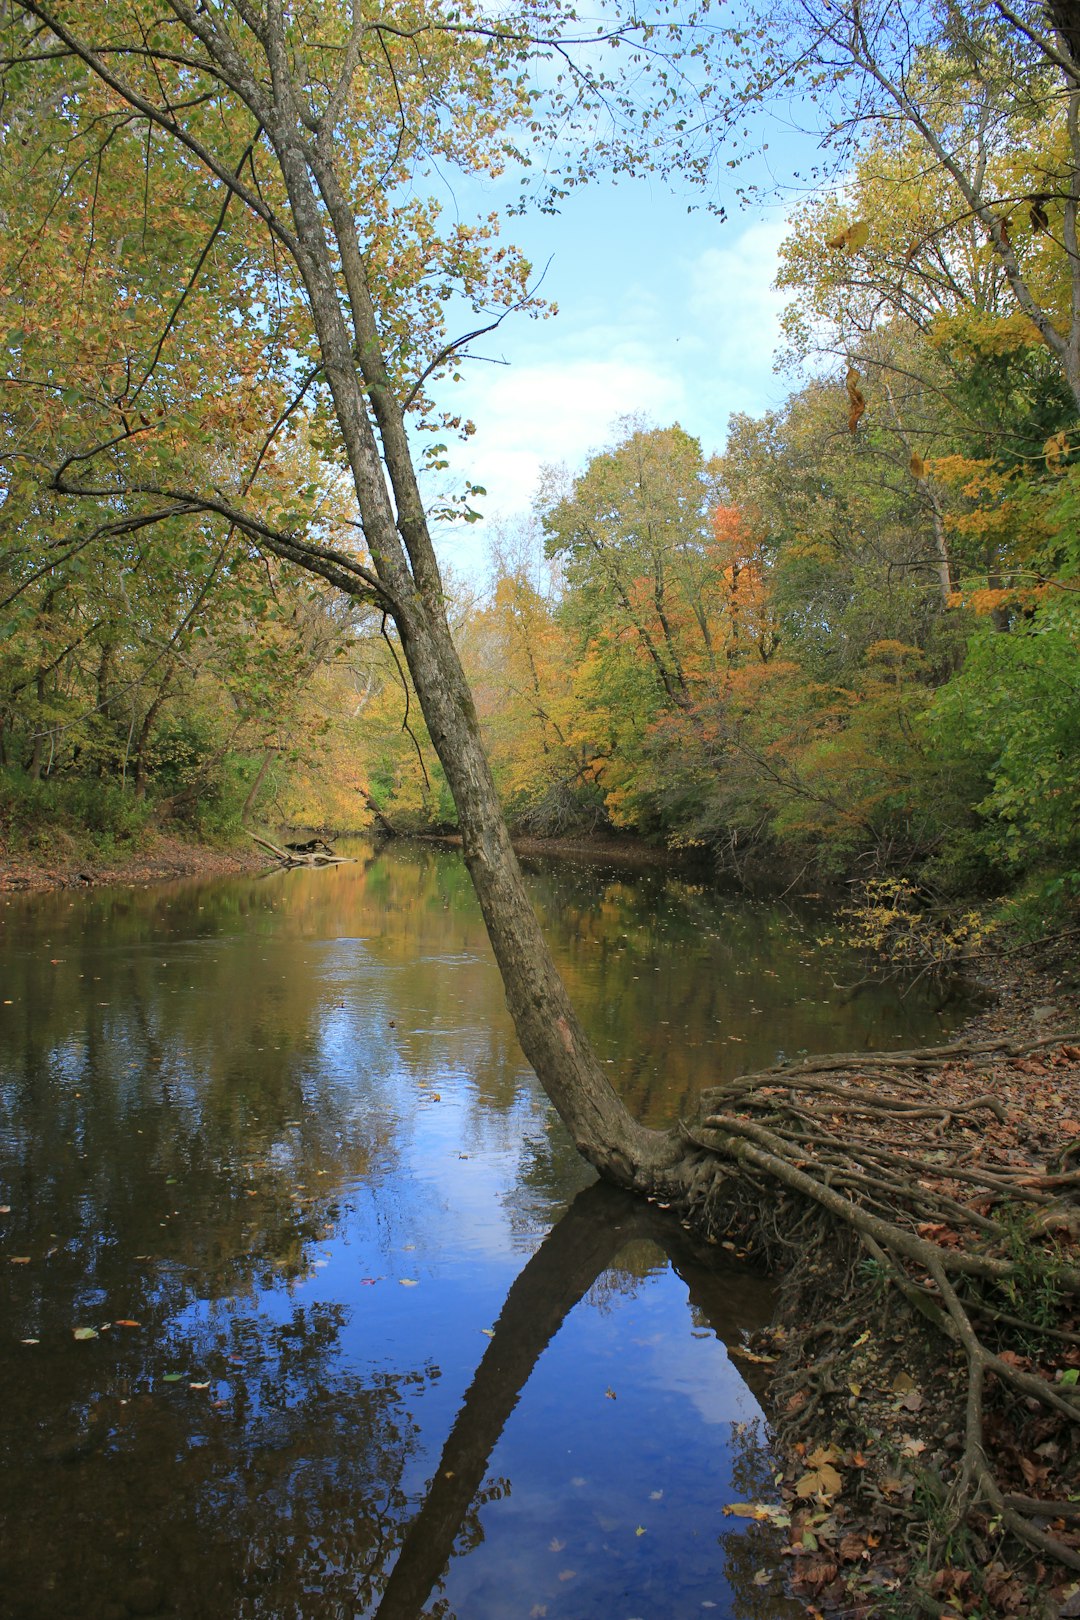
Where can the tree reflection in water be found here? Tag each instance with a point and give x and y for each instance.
(207, 1094)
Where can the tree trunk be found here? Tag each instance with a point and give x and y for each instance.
(260, 777)
(320, 232)
(546, 1023)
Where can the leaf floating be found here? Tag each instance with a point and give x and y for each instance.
(85, 1333)
(856, 398)
(823, 1481)
(407, 1282)
(610, 1393)
(821, 1478)
(640, 1531)
(126, 1321)
(758, 1510)
(171, 1378)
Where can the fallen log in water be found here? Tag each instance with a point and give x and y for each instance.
(296, 855)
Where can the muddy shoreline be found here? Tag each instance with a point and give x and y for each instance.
(157, 860)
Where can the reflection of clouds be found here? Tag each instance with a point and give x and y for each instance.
(700, 1371)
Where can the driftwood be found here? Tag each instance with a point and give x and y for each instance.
(308, 854)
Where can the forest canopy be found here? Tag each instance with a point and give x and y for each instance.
(848, 638)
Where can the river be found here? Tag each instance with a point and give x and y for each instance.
(309, 1307)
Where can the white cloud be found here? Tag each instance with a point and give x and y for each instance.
(677, 323)
(552, 411)
(735, 312)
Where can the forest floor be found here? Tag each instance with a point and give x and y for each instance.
(871, 1405)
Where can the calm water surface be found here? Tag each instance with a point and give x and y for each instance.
(309, 1307)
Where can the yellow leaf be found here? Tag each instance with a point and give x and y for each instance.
(856, 398)
(851, 237)
(1055, 450)
(823, 1481)
(917, 465)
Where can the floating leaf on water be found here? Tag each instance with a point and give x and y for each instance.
(757, 1510)
(171, 1378)
(555, 1545)
(126, 1321)
(610, 1393)
(407, 1282)
(30, 1341)
(820, 1481)
(640, 1531)
(18, 1259)
(200, 1386)
(85, 1333)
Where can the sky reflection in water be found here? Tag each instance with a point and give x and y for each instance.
(282, 1128)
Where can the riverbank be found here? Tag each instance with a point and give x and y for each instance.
(157, 859)
(883, 1415)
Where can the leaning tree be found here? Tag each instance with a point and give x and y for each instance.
(222, 267)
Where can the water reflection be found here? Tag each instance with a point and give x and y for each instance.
(271, 1150)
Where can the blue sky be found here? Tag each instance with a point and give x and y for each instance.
(662, 312)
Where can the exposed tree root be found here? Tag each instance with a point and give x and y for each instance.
(942, 1177)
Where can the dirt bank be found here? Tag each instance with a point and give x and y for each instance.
(157, 859)
(881, 1429)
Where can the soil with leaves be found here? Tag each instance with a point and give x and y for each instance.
(925, 1207)
(157, 858)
